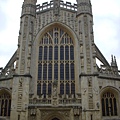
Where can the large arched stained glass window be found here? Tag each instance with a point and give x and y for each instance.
(56, 62)
(109, 104)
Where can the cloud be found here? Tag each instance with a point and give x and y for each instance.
(3, 18)
(106, 14)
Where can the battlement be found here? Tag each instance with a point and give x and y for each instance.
(46, 6)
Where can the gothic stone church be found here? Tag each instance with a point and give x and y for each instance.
(53, 74)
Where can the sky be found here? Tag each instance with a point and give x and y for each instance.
(106, 17)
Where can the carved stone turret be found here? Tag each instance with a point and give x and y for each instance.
(84, 6)
(29, 7)
(30, 1)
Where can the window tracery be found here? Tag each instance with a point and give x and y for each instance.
(5, 103)
(109, 104)
(56, 62)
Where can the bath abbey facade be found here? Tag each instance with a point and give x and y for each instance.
(53, 74)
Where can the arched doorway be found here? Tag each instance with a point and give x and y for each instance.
(55, 119)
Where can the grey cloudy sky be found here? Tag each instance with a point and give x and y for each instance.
(106, 15)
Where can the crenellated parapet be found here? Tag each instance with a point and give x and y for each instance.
(47, 6)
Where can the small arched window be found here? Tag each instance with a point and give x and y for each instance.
(109, 104)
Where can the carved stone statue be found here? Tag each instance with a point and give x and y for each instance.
(56, 7)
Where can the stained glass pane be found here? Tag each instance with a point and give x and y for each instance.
(9, 107)
(111, 107)
(50, 53)
(56, 71)
(39, 89)
(50, 72)
(45, 53)
(62, 71)
(40, 52)
(107, 107)
(61, 53)
(67, 71)
(72, 71)
(39, 71)
(61, 88)
(71, 53)
(44, 89)
(45, 72)
(56, 53)
(103, 107)
(67, 88)
(66, 52)
(115, 106)
(72, 88)
(49, 88)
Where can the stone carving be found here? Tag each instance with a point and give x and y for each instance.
(54, 92)
(96, 91)
(89, 81)
(20, 82)
(76, 111)
(55, 89)
(56, 9)
(33, 112)
(84, 91)
(90, 95)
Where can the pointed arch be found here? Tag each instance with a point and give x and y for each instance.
(109, 101)
(5, 102)
(54, 115)
(55, 118)
(60, 25)
(58, 56)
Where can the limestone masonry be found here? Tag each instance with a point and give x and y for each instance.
(53, 75)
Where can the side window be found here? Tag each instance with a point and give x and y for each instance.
(5, 103)
(109, 104)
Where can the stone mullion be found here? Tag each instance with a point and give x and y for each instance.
(0, 106)
(113, 106)
(7, 107)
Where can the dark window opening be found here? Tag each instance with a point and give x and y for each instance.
(109, 104)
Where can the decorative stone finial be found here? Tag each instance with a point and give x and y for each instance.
(56, 7)
(114, 62)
